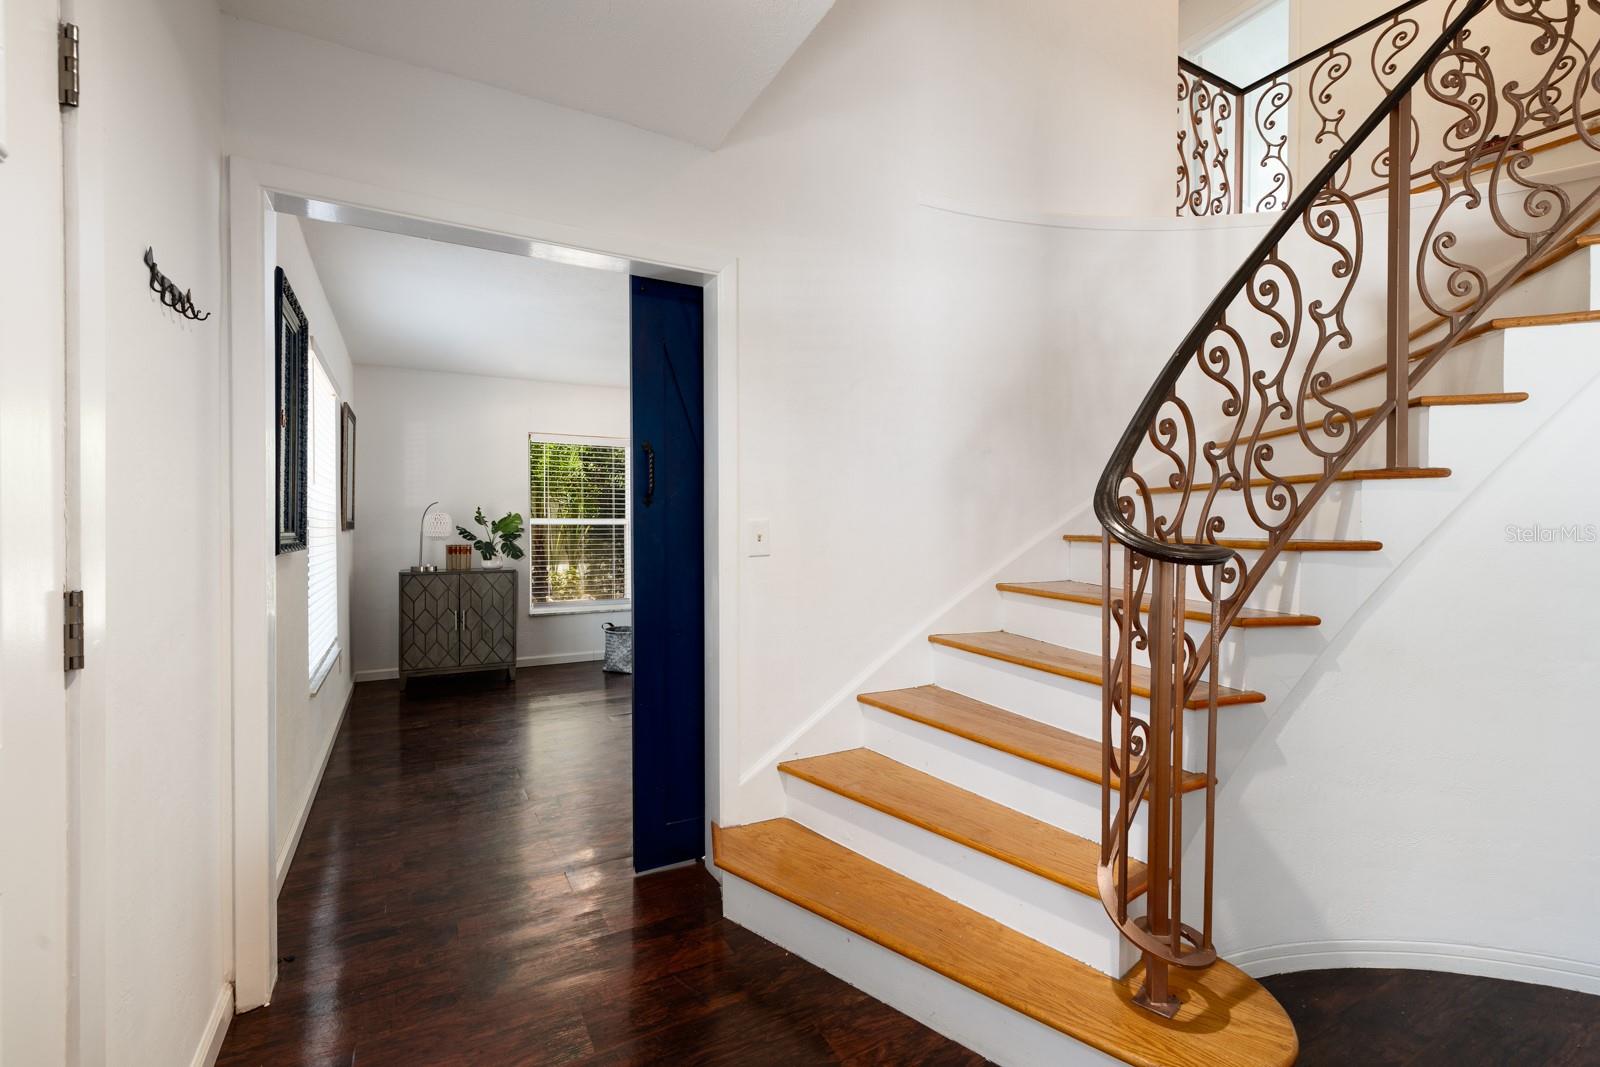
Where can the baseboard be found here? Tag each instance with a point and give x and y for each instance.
(384, 674)
(1420, 956)
(210, 1047)
(291, 846)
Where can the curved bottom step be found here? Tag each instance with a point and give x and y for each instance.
(1226, 1016)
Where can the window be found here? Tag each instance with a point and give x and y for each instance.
(577, 522)
(322, 524)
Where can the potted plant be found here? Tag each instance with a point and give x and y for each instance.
(501, 539)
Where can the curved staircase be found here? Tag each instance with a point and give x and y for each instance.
(976, 862)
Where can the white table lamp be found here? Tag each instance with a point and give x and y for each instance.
(436, 527)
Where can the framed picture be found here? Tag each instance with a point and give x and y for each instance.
(347, 467)
(293, 344)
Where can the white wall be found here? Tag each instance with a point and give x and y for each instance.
(1199, 21)
(908, 405)
(462, 440)
(308, 722)
(154, 911)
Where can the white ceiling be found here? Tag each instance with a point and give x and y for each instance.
(685, 68)
(427, 305)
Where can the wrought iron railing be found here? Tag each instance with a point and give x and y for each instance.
(1249, 148)
(1260, 379)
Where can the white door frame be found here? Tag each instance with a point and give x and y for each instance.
(255, 192)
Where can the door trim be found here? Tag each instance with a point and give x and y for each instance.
(256, 191)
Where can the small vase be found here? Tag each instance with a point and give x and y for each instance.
(492, 564)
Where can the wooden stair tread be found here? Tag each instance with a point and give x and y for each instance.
(1379, 474)
(1225, 1017)
(1434, 400)
(938, 807)
(1259, 544)
(1003, 731)
(1195, 610)
(1447, 400)
(1560, 318)
(1070, 663)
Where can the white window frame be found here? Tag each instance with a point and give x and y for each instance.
(325, 664)
(586, 607)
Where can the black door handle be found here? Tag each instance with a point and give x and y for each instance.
(650, 474)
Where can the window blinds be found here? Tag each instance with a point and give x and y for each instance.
(578, 522)
(322, 523)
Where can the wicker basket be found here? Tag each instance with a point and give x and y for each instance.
(619, 648)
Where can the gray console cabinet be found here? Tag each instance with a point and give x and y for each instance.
(457, 621)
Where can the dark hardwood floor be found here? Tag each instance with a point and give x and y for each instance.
(1389, 1018)
(464, 894)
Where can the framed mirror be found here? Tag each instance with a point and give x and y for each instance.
(293, 343)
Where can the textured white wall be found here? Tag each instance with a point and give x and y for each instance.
(307, 722)
(462, 440)
(907, 404)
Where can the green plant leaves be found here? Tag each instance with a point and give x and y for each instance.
(506, 530)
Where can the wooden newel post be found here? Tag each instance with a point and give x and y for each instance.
(1398, 452)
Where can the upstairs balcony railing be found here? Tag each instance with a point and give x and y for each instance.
(1251, 148)
(1434, 197)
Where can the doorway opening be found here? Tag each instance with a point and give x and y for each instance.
(497, 379)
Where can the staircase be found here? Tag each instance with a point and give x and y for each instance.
(977, 861)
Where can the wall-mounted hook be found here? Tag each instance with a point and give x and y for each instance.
(181, 302)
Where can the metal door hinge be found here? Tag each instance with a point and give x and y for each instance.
(72, 630)
(67, 64)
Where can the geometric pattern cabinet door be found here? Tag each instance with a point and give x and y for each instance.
(430, 630)
(488, 618)
(454, 621)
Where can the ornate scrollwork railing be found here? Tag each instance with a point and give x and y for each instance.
(1210, 137)
(1204, 472)
(1270, 135)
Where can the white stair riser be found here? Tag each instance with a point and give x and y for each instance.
(1051, 796)
(1078, 626)
(1571, 285)
(1471, 367)
(990, 1029)
(1046, 911)
(1310, 582)
(1292, 456)
(1242, 651)
(1061, 702)
(1336, 517)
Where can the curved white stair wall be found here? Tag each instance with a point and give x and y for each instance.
(1422, 798)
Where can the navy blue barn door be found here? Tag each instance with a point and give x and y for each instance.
(668, 574)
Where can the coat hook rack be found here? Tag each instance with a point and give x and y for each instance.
(180, 301)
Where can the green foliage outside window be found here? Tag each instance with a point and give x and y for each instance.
(578, 510)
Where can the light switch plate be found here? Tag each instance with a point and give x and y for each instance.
(758, 537)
